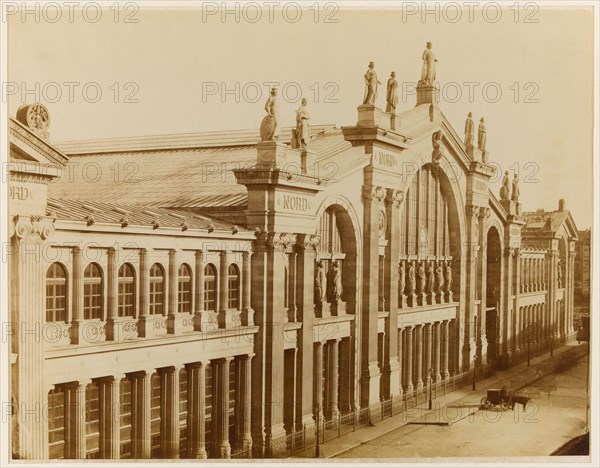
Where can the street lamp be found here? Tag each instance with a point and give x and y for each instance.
(430, 389)
(474, 369)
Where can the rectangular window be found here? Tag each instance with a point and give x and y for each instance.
(56, 423)
(92, 299)
(209, 294)
(126, 297)
(92, 423)
(125, 418)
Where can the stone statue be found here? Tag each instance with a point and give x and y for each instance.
(412, 281)
(320, 284)
(421, 278)
(430, 278)
(448, 277)
(504, 188)
(469, 130)
(481, 136)
(302, 126)
(515, 189)
(439, 277)
(334, 283)
(371, 83)
(559, 273)
(392, 93)
(401, 277)
(438, 149)
(269, 127)
(428, 72)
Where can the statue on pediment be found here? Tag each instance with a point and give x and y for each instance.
(269, 127)
(504, 189)
(320, 284)
(438, 149)
(430, 278)
(392, 94)
(371, 84)
(428, 71)
(515, 189)
(559, 273)
(469, 130)
(482, 135)
(421, 278)
(439, 277)
(301, 134)
(334, 283)
(412, 280)
(448, 277)
(401, 277)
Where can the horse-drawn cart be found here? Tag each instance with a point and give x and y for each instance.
(495, 398)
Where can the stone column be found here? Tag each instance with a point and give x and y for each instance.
(292, 258)
(199, 291)
(446, 348)
(306, 248)
(427, 340)
(436, 351)
(516, 329)
(145, 320)
(419, 357)
(27, 275)
(221, 409)
(77, 298)
(109, 390)
(247, 312)
(394, 199)
(75, 446)
(174, 319)
(244, 402)
(318, 389)
(169, 411)
(223, 288)
(370, 373)
(571, 329)
(333, 378)
(409, 359)
(400, 349)
(141, 396)
(471, 286)
(196, 410)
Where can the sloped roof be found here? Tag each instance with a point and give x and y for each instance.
(165, 172)
(548, 221)
(132, 215)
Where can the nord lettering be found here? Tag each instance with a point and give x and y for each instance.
(295, 203)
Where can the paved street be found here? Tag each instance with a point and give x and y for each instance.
(555, 415)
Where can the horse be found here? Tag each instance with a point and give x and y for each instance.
(521, 399)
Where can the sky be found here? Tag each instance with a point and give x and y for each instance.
(527, 70)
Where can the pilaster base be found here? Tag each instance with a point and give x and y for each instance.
(174, 324)
(223, 449)
(229, 319)
(122, 329)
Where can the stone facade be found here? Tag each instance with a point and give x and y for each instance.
(197, 326)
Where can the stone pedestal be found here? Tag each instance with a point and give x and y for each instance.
(511, 207)
(274, 155)
(121, 329)
(427, 94)
(371, 116)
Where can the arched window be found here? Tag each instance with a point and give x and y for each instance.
(92, 292)
(126, 291)
(157, 289)
(56, 293)
(233, 287)
(184, 289)
(210, 288)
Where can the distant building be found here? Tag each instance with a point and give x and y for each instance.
(582, 269)
(205, 295)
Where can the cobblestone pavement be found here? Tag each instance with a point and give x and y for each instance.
(555, 414)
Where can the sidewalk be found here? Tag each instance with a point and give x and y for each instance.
(514, 378)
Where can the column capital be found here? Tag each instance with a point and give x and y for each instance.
(308, 242)
(371, 192)
(33, 228)
(394, 197)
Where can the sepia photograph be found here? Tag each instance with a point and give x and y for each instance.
(299, 232)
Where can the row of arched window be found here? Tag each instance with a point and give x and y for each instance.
(93, 297)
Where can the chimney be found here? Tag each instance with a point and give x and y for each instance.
(561, 204)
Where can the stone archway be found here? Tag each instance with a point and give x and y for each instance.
(493, 294)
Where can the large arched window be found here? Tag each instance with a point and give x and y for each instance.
(233, 287)
(56, 293)
(92, 292)
(210, 288)
(184, 289)
(126, 291)
(157, 289)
